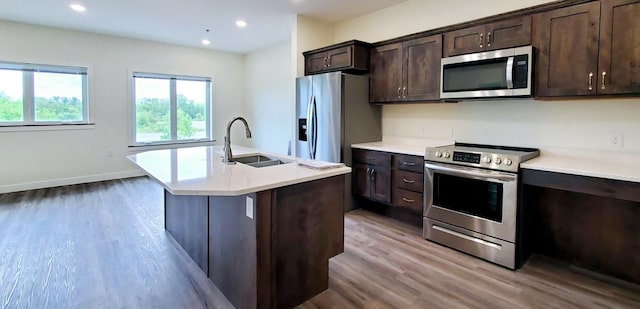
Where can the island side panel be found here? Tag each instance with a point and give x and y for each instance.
(308, 229)
(232, 249)
(185, 218)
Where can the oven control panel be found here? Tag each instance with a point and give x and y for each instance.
(508, 161)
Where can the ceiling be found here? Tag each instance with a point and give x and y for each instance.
(184, 21)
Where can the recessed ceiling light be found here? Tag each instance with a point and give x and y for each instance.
(77, 7)
(241, 23)
(205, 42)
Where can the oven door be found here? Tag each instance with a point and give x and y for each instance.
(475, 199)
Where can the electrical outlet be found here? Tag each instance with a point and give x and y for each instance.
(617, 140)
(249, 207)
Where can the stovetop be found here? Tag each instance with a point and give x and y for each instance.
(501, 158)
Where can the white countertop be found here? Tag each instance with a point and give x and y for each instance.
(409, 146)
(602, 164)
(200, 171)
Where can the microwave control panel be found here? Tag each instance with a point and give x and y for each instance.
(520, 71)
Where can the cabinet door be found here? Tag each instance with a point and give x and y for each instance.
(508, 33)
(386, 73)
(315, 63)
(340, 58)
(361, 180)
(619, 63)
(381, 184)
(567, 40)
(464, 41)
(421, 69)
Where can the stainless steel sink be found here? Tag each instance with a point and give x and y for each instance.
(259, 161)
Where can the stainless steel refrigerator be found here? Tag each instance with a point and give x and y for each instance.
(333, 112)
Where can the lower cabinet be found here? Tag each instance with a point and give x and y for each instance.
(391, 179)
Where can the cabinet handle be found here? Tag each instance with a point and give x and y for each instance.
(408, 200)
(370, 159)
(399, 95)
(408, 181)
(604, 74)
(408, 163)
(404, 92)
(590, 81)
(373, 174)
(488, 39)
(368, 171)
(481, 38)
(326, 62)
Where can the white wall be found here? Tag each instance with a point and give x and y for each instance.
(584, 124)
(45, 158)
(270, 83)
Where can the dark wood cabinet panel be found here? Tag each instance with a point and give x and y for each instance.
(421, 69)
(502, 34)
(619, 57)
(381, 184)
(351, 56)
(407, 71)
(409, 162)
(186, 220)
(339, 58)
(408, 180)
(408, 199)
(464, 41)
(372, 175)
(372, 157)
(508, 33)
(361, 181)
(567, 43)
(385, 76)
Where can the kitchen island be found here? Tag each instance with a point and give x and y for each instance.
(263, 235)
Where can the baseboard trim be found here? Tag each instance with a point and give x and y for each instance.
(68, 181)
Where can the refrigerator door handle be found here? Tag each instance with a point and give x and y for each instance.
(309, 127)
(314, 127)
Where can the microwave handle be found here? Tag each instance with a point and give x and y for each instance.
(510, 72)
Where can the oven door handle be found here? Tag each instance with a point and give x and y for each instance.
(469, 173)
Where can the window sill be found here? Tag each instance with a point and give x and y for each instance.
(139, 148)
(52, 127)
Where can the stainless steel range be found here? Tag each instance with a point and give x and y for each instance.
(471, 199)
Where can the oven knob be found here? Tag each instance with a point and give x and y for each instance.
(446, 155)
(507, 162)
(438, 154)
(487, 159)
(498, 160)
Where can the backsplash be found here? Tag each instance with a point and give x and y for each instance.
(578, 124)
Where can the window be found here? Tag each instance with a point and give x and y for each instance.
(171, 109)
(34, 94)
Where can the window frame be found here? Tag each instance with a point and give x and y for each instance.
(173, 108)
(28, 93)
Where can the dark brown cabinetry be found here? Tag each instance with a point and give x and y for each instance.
(584, 50)
(372, 175)
(391, 179)
(408, 182)
(352, 56)
(497, 35)
(406, 71)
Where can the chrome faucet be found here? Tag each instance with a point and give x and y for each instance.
(228, 156)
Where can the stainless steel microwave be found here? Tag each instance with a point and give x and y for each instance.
(493, 74)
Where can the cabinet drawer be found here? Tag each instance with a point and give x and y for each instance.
(409, 181)
(409, 163)
(407, 199)
(372, 157)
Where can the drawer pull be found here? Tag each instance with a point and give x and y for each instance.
(408, 163)
(408, 181)
(408, 200)
(371, 159)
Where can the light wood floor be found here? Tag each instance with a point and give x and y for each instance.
(102, 245)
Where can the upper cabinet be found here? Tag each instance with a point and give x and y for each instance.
(497, 35)
(407, 71)
(352, 56)
(583, 50)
